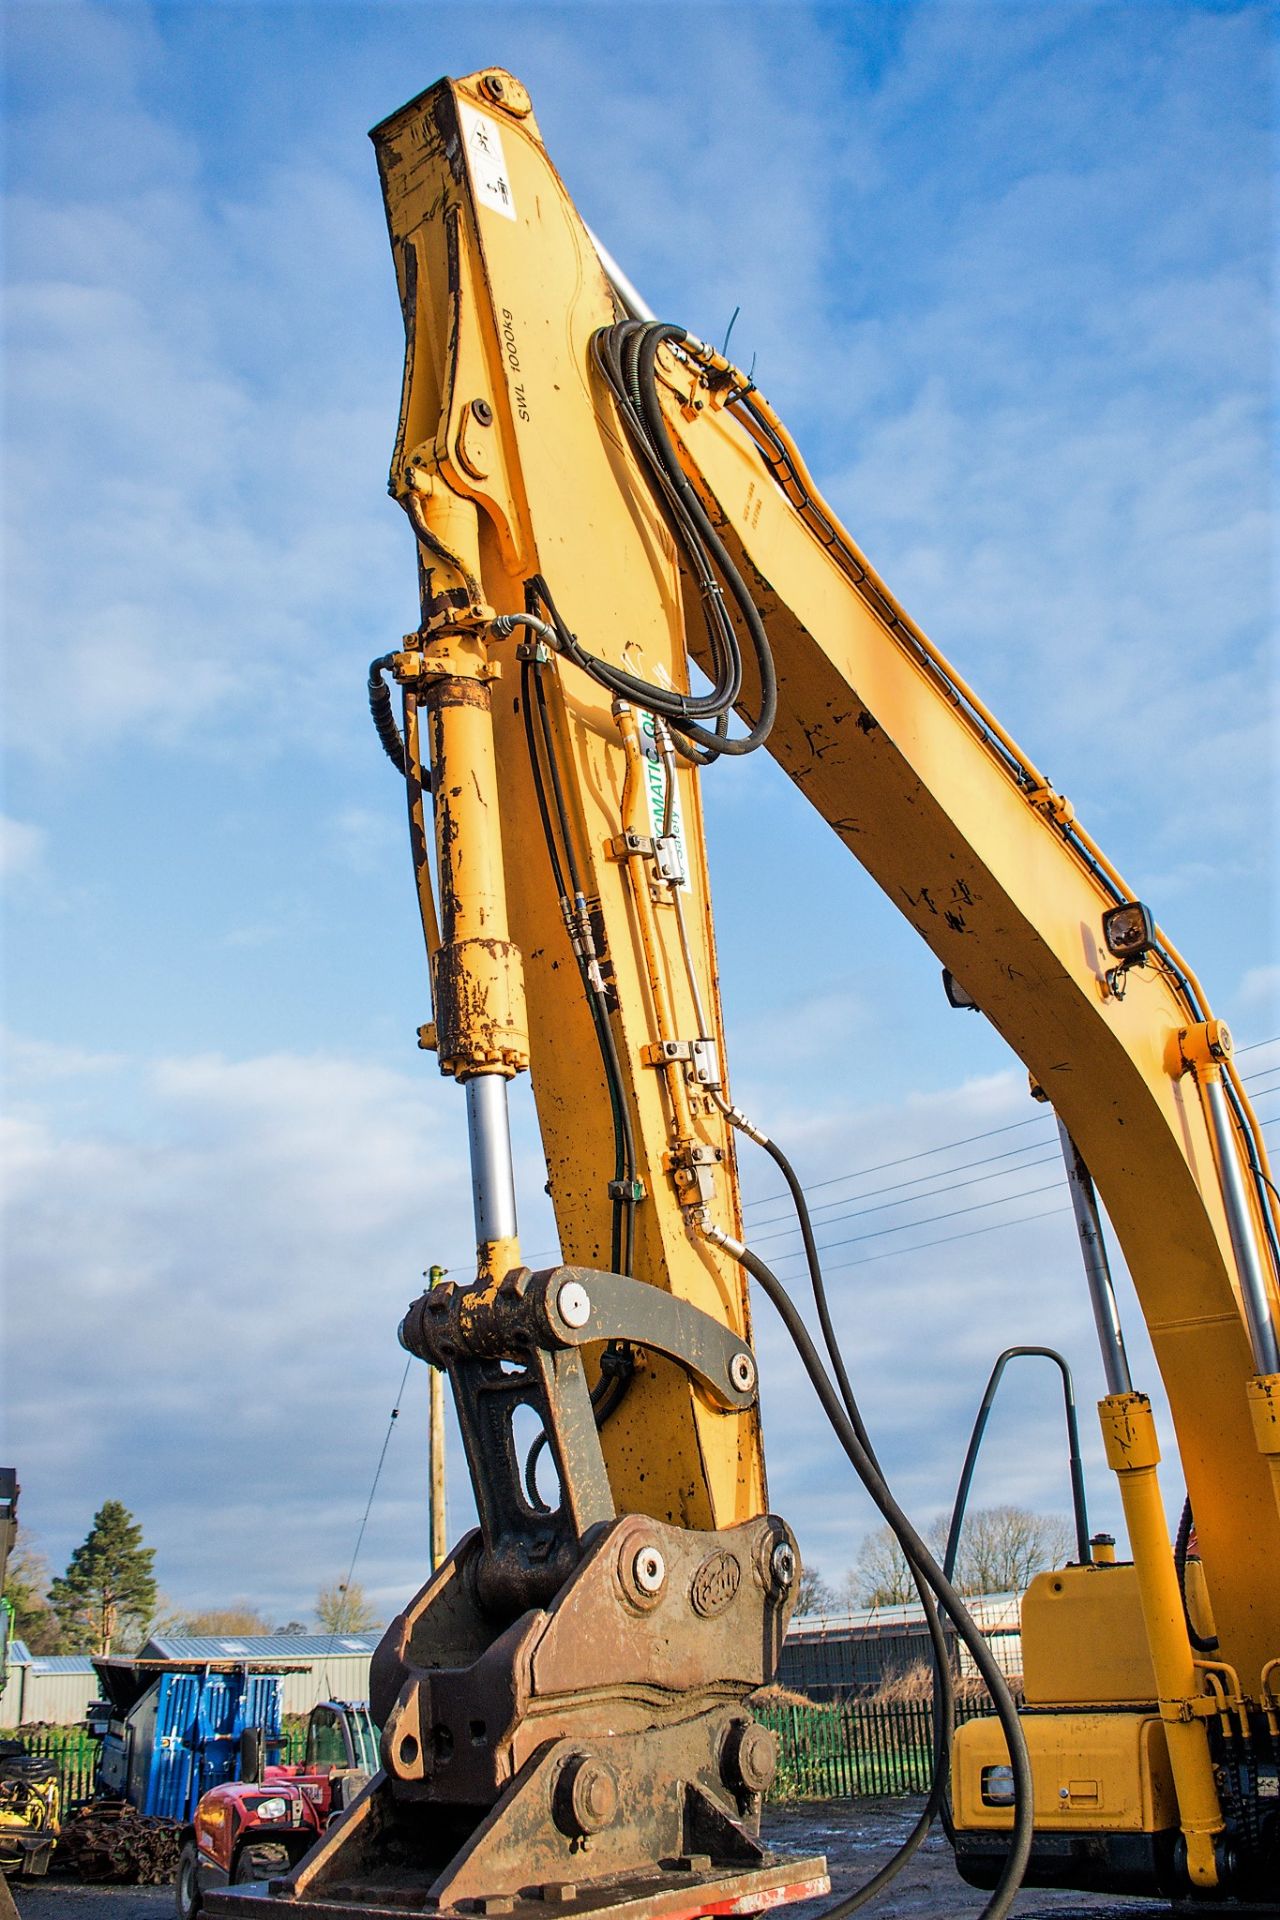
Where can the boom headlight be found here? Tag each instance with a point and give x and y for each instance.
(276, 1808)
(1129, 931)
(956, 994)
(997, 1786)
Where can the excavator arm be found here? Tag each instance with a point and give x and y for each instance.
(620, 548)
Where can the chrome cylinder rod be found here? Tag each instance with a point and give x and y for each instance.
(1102, 1293)
(1244, 1241)
(493, 1180)
(636, 306)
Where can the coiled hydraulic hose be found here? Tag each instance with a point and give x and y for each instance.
(384, 719)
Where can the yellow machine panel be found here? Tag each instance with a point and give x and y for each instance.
(1106, 1807)
(1091, 1770)
(1083, 1639)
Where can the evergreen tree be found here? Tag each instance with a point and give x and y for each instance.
(108, 1591)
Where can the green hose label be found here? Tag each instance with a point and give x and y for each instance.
(655, 785)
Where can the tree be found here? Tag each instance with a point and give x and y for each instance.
(344, 1609)
(216, 1620)
(880, 1576)
(813, 1595)
(25, 1588)
(1002, 1547)
(108, 1591)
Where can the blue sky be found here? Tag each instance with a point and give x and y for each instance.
(1006, 272)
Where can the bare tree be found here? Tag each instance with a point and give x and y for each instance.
(880, 1576)
(344, 1609)
(241, 1618)
(1001, 1548)
(813, 1595)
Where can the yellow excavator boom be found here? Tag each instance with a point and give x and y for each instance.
(619, 548)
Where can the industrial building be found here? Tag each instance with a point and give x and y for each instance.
(56, 1689)
(848, 1656)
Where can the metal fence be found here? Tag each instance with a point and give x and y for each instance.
(853, 1749)
(824, 1752)
(72, 1752)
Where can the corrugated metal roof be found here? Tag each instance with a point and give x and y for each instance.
(20, 1655)
(989, 1610)
(259, 1646)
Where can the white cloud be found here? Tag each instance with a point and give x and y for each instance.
(1258, 995)
(210, 1297)
(22, 847)
(1028, 364)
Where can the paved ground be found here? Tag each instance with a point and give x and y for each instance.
(857, 1837)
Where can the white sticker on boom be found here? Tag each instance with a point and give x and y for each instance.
(482, 138)
(655, 786)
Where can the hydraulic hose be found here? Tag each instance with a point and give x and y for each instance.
(626, 355)
(384, 719)
(1201, 1642)
(922, 1561)
(1079, 1510)
(944, 1687)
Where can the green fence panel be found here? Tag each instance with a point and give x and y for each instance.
(863, 1747)
(71, 1751)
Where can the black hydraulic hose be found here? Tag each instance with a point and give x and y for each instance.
(617, 1368)
(626, 357)
(1201, 1642)
(943, 1684)
(922, 1561)
(1078, 1507)
(384, 718)
(557, 784)
(623, 1132)
(624, 1196)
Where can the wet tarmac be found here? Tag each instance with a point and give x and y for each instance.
(856, 1836)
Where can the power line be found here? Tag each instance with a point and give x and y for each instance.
(887, 1206)
(951, 1213)
(377, 1475)
(985, 1160)
(944, 1240)
(926, 1153)
(882, 1166)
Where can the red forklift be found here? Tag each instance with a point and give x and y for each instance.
(257, 1827)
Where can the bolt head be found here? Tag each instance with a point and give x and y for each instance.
(586, 1795)
(782, 1565)
(749, 1757)
(649, 1570)
(483, 412)
(742, 1371)
(573, 1304)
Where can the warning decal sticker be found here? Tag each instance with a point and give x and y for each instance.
(482, 138)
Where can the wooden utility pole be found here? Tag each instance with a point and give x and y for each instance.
(439, 1537)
